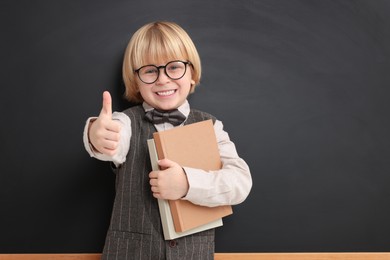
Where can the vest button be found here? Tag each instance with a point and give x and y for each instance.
(172, 243)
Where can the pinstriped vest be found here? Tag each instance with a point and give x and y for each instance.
(135, 231)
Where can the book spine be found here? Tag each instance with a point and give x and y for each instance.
(159, 145)
(161, 152)
(177, 219)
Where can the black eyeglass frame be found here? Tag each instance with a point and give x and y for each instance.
(165, 70)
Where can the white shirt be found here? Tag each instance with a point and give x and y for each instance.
(227, 186)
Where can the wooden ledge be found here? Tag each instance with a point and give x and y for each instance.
(302, 256)
(219, 256)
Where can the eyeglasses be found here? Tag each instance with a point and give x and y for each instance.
(174, 70)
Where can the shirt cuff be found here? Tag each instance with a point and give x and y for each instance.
(87, 145)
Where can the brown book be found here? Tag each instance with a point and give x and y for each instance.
(165, 210)
(194, 146)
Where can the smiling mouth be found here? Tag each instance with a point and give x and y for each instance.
(166, 93)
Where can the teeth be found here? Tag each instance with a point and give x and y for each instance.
(166, 93)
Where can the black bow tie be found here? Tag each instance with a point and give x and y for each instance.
(175, 117)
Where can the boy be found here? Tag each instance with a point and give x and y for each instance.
(161, 68)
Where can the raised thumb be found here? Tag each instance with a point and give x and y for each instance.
(107, 105)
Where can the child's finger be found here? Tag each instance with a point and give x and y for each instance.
(113, 126)
(107, 105)
(112, 136)
(166, 163)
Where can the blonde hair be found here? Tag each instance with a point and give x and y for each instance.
(155, 42)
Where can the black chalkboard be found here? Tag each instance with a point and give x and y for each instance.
(301, 86)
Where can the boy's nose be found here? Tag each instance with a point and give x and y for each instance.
(162, 77)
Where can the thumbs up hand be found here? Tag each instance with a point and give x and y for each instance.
(104, 133)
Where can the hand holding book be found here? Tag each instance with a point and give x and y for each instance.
(193, 146)
(170, 183)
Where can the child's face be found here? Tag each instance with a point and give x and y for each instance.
(166, 93)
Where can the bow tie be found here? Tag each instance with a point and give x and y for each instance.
(175, 117)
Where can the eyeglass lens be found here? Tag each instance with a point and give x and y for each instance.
(173, 69)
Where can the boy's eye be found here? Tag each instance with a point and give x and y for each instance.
(149, 70)
(173, 67)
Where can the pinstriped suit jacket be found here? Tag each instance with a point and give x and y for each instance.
(135, 230)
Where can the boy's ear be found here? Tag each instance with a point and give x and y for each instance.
(192, 82)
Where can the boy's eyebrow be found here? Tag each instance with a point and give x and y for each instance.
(159, 64)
